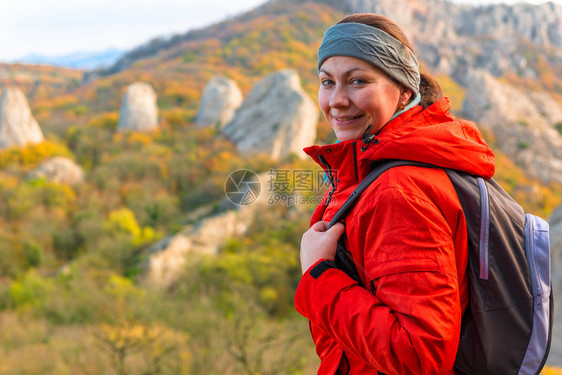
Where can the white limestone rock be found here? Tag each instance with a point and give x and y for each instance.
(221, 98)
(277, 117)
(60, 170)
(139, 111)
(522, 122)
(18, 127)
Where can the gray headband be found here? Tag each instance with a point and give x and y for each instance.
(373, 46)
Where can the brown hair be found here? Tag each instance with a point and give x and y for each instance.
(430, 90)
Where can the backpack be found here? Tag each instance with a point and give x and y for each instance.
(507, 325)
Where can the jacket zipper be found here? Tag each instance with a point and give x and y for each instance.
(330, 178)
(484, 228)
(355, 162)
(530, 245)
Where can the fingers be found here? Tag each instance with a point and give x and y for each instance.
(323, 226)
(320, 226)
(319, 242)
(337, 230)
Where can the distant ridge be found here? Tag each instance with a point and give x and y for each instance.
(77, 60)
(441, 30)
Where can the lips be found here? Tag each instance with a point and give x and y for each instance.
(343, 119)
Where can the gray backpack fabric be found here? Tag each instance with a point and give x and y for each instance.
(506, 329)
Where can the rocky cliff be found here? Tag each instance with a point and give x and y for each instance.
(277, 117)
(454, 38)
(18, 127)
(524, 123)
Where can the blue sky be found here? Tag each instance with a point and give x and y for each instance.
(58, 27)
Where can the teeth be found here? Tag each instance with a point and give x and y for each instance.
(348, 118)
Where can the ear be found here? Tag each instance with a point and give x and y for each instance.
(406, 95)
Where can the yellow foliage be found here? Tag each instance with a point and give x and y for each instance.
(31, 155)
(532, 195)
(139, 138)
(147, 235)
(154, 346)
(123, 221)
(176, 117)
(453, 91)
(31, 290)
(551, 371)
(122, 288)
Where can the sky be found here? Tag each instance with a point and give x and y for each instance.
(59, 27)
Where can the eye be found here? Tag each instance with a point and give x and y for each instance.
(358, 81)
(326, 82)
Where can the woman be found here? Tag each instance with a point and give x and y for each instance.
(407, 234)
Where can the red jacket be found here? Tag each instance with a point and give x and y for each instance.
(407, 235)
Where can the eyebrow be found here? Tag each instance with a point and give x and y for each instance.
(346, 73)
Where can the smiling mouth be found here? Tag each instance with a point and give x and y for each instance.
(343, 119)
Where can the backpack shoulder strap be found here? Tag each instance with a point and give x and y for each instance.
(379, 169)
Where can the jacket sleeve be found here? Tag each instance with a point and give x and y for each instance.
(407, 320)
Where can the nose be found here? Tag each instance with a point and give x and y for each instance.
(339, 97)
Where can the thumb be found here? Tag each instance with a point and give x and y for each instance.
(336, 230)
(321, 226)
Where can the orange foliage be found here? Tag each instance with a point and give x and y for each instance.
(33, 154)
(139, 138)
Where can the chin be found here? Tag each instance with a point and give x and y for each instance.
(346, 136)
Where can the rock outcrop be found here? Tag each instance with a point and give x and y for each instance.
(221, 98)
(277, 117)
(522, 122)
(60, 170)
(169, 257)
(555, 222)
(138, 109)
(18, 127)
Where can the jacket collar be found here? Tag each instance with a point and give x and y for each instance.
(340, 162)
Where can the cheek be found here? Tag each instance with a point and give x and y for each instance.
(380, 103)
(369, 104)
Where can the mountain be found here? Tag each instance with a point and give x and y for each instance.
(504, 39)
(73, 256)
(77, 60)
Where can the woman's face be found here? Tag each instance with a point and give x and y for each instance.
(355, 94)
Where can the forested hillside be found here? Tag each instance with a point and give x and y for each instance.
(73, 299)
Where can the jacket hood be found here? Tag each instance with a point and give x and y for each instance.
(431, 136)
